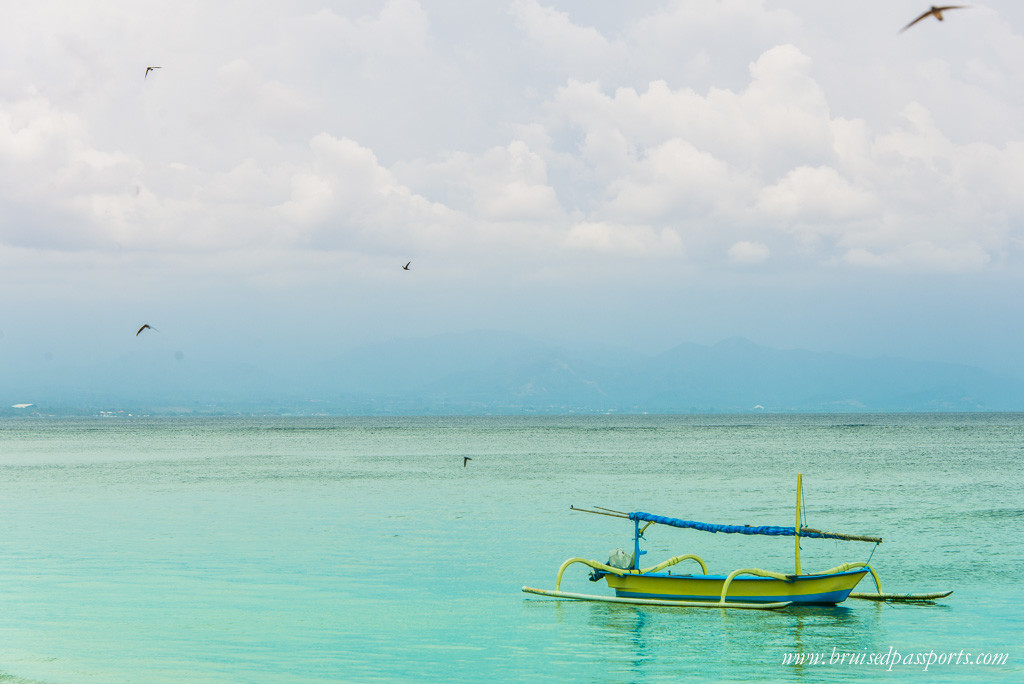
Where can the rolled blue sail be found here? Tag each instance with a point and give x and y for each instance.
(769, 530)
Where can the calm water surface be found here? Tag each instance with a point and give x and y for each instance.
(345, 549)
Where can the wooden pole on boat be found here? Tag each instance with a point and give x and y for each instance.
(607, 511)
(837, 535)
(796, 529)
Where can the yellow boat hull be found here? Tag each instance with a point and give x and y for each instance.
(828, 589)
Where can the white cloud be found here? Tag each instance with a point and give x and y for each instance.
(566, 45)
(774, 155)
(745, 252)
(509, 184)
(707, 45)
(250, 96)
(816, 196)
(923, 256)
(779, 120)
(321, 131)
(674, 180)
(51, 178)
(400, 30)
(546, 147)
(624, 240)
(346, 199)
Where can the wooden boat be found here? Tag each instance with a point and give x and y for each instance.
(744, 588)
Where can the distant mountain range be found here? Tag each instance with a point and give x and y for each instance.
(504, 373)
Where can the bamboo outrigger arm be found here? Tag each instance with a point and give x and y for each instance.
(750, 571)
(789, 578)
(775, 605)
(626, 571)
(880, 595)
(904, 598)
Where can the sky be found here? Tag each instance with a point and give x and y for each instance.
(587, 173)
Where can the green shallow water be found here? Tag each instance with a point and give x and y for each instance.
(346, 549)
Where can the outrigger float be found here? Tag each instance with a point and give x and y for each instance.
(744, 588)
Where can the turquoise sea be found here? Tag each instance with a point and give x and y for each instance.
(138, 549)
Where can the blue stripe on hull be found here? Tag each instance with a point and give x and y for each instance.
(746, 578)
(831, 597)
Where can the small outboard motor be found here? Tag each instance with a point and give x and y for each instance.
(618, 558)
(621, 559)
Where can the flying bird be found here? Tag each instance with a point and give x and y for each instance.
(146, 326)
(934, 12)
(148, 69)
(465, 460)
(406, 267)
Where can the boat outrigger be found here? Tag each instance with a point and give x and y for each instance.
(744, 588)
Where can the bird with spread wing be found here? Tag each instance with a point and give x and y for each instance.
(934, 12)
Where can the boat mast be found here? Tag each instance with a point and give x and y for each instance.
(796, 529)
(637, 532)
